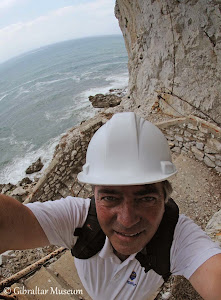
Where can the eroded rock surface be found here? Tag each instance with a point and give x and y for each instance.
(104, 101)
(174, 48)
(35, 167)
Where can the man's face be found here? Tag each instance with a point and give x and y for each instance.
(129, 215)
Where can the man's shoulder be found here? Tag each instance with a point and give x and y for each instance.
(186, 225)
(68, 201)
(189, 235)
(60, 218)
(63, 208)
(184, 220)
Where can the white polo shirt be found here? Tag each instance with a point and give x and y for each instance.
(104, 276)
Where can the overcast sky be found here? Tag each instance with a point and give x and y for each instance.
(30, 24)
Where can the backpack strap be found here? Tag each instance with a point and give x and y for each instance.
(91, 237)
(155, 255)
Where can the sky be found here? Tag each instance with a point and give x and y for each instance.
(29, 24)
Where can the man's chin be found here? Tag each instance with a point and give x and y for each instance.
(126, 246)
(126, 250)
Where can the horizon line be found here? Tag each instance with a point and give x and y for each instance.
(55, 43)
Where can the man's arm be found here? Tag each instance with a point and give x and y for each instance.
(19, 228)
(207, 279)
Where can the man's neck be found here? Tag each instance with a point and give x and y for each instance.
(122, 257)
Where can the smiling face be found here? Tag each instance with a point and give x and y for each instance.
(129, 215)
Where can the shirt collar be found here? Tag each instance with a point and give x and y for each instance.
(107, 252)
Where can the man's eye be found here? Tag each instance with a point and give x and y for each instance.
(147, 200)
(109, 198)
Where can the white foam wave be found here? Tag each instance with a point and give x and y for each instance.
(69, 75)
(75, 78)
(93, 92)
(119, 82)
(1, 98)
(21, 91)
(28, 146)
(91, 75)
(48, 116)
(58, 115)
(49, 82)
(18, 87)
(15, 171)
(111, 64)
(39, 81)
(69, 112)
(12, 141)
(100, 67)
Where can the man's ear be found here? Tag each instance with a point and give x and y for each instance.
(167, 190)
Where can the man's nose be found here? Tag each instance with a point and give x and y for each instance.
(127, 215)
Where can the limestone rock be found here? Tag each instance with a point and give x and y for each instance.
(103, 101)
(209, 162)
(213, 228)
(215, 144)
(25, 181)
(19, 193)
(6, 188)
(35, 167)
(198, 154)
(174, 50)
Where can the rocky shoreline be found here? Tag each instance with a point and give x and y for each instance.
(23, 188)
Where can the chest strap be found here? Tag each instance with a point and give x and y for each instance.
(155, 255)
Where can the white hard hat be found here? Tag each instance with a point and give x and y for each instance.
(127, 150)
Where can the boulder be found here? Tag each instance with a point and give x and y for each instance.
(104, 101)
(25, 181)
(35, 167)
(6, 188)
(19, 193)
(213, 228)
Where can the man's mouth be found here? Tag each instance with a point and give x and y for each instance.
(129, 234)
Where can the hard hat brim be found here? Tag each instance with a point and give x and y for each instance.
(119, 181)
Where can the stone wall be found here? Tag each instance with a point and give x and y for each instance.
(190, 135)
(59, 180)
(194, 136)
(174, 47)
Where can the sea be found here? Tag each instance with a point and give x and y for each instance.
(43, 93)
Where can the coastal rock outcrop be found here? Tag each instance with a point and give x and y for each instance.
(25, 181)
(19, 193)
(5, 188)
(35, 167)
(104, 101)
(174, 50)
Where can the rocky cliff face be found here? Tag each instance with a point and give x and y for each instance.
(174, 50)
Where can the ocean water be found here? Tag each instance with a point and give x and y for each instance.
(45, 92)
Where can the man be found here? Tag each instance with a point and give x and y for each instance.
(128, 163)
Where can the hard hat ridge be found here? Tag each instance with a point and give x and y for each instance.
(121, 141)
(127, 150)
